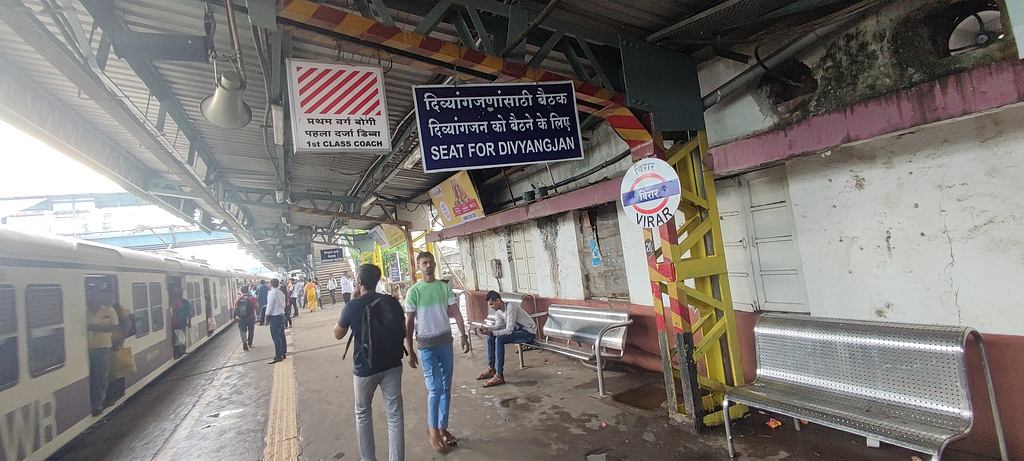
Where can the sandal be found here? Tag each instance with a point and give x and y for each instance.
(448, 438)
(496, 380)
(487, 374)
(436, 441)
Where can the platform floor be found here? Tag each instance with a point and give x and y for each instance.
(216, 405)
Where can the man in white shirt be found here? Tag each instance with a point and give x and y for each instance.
(346, 288)
(331, 286)
(300, 293)
(511, 325)
(275, 315)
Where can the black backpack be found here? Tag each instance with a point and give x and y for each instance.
(244, 307)
(383, 333)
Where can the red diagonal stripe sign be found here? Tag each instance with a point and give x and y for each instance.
(337, 107)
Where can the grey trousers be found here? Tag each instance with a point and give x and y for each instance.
(390, 382)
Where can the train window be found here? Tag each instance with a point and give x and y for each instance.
(9, 369)
(156, 306)
(195, 294)
(44, 312)
(140, 307)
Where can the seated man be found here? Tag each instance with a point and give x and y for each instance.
(511, 325)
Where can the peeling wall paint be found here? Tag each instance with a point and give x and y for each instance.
(887, 51)
(635, 255)
(924, 227)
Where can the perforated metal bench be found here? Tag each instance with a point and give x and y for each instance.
(577, 332)
(901, 384)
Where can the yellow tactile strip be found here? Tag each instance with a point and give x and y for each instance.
(282, 422)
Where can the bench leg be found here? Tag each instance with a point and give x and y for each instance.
(796, 423)
(728, 428)
(874, 443)
(522, 364)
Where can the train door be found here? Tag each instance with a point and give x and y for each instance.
(101, 295)
(179, 318)
(208, 302)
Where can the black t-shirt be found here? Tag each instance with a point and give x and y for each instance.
(352, 318)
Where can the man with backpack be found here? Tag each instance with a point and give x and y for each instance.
(378, 329)
(245, 315)
(261, 299)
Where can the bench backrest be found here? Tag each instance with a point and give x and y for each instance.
(582, 324)
(920, 368)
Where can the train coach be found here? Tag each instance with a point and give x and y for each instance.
(44, 355)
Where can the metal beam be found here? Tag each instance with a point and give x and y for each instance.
(29, 108)
(350, 216)
(106, 95)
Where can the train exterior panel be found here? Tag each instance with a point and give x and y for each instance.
(44, 355)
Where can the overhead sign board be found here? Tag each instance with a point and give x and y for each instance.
(650, 192)
(337, 107)
(331, 255)
(387, 235)
(456, 200)
(484, 126)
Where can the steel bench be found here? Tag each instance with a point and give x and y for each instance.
(902, 384)
(511, 299)
(602, 330)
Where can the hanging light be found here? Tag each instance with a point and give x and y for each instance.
(225, 108)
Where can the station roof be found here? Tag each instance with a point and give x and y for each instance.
(118, 84)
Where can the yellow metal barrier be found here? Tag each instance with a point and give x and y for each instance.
(688, 276)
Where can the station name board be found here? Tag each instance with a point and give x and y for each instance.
(484, 126)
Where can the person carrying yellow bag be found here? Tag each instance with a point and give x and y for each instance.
(123, 362)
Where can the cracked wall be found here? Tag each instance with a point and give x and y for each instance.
(923, 227)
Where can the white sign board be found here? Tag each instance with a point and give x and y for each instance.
(337, 107)
(650, 192)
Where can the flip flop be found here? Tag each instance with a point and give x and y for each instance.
(448, 438)
(496, 380)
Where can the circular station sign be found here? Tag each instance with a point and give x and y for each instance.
(650, 192)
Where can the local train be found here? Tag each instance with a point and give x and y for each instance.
(44, 356)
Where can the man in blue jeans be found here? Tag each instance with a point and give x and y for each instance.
(381, 366)
(428, 306)
(275, 315)
(511, 325)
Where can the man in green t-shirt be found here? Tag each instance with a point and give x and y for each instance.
(428, 306)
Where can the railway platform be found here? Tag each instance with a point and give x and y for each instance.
(223, 403)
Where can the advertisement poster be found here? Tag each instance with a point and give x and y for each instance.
(485, 126)
(456, 200)
(396, 270)
(337, 107)
(387, 235)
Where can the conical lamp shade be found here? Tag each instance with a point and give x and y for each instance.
(226, 108)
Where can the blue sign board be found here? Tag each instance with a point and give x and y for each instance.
(484, 126)
(396, 270)
(331, 255)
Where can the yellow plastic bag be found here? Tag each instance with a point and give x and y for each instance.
(123, 363)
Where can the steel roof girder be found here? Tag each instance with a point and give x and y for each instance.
(481, 31)
(462, 29)
(30, 109)
(433, 17)
(102, 12)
